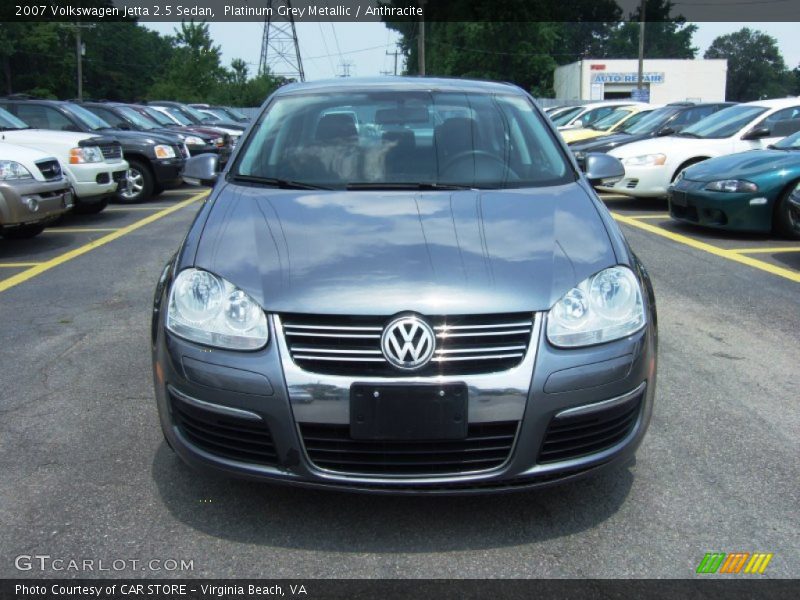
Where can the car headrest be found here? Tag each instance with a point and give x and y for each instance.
(336, 126)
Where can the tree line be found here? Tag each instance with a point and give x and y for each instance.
(125, 61)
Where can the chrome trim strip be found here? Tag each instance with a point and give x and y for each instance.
(495, 326)
(217, 408)
(476, 350)
(334, 351)
(335, 327)
(473, 357)
(596, 406)
(323, 398)
(484, 333)
(335, 335)
(338, 358)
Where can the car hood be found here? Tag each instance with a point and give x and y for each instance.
(142, 137)
(9, 151)
(744, 165)
(380, 253)
(605, 142)
(46, 136)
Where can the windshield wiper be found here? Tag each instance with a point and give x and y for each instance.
(285, 184)
(407, 186)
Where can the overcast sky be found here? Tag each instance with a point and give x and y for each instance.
(324, 47)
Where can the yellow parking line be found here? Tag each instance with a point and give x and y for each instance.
(80, 229)
(730, 255)
(127, 208)
(13, 265)
(81, 250)
(653, 216)
(765, 250)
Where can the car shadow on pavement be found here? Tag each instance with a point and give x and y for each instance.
(296, 518)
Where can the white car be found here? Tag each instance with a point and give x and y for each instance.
(175, 116)
(652, 165)
(33, 191)
(583, 116)
(93, 165)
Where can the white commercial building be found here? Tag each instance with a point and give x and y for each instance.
(666, 80)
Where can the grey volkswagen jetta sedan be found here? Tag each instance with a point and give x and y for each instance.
(406, 286)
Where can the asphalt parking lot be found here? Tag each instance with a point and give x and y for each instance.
(87, 475)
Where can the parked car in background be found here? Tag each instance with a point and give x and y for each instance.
(195, 117)
(554, 112)
(92, 164)
(664, 121)
(221, 140)
(623, 116)
(223, 113)
(155, 159)
(588, 114)
(33, 191)
(651, 165)
(122, 116)
(748, 191)
(444, 311)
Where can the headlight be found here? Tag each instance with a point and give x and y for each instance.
(605, 307)
(645, 160)
(207, 309)
(85, 154)
(193, 140)
(164, 151)
(10, 170)
(732, 185)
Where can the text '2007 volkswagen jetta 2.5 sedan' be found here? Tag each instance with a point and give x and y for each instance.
(404, 285)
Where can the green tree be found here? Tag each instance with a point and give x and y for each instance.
(665, 36)
(195, 71)
(756, 68)
(38, 58)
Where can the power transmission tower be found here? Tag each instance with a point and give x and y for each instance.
(280, 50)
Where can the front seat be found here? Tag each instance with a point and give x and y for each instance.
(454, 136)
(336, 127)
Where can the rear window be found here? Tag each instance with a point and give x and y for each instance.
(336, 140)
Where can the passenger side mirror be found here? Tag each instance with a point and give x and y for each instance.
(124, 127)
(665, 131)
(602, 169)
(201, 170)
(757, 133)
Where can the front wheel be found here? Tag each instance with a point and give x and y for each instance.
(786, 220)
(23, 232)
(140, 184)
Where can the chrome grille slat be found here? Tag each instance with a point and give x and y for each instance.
(350, 345)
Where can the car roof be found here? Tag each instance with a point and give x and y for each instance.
(400, 84)
(775, 102)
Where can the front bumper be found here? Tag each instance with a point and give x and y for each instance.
(642, 182)
(210, 400)
(168, 171)
(95, 181)
(689, 202)
(50, 199)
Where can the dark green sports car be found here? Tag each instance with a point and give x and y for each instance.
(748, 191)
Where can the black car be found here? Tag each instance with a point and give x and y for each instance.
(155, 160)
(404, 285)
(125, 117)
(663, 121)
(195, 117)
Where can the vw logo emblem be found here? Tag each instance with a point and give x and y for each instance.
(408, 343)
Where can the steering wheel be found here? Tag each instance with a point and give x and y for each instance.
(475, 155)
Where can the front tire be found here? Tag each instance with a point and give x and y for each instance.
(786, 219)
(140, 184)
(23, 232)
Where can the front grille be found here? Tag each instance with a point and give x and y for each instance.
(487, 446)
(576, 436)
(111, 151)
(50, 169)
(221, 435)
(346, 345)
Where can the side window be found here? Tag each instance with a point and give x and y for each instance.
(593, 115)
(44, 117)
(106, 114)
(786, 114)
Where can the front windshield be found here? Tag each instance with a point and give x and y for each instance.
(137, 118)
(234, 113)
(178, 115)
(156, 115)
(789, 143)
(649, 123)
(9, 121)
(564, 117)
(216, 114)
(610, 119)
(397, 139)
(88, 118)
(724, 123)
(196, 115)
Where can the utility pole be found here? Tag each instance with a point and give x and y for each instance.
(640, 82)
(421, 41)
(395, 54)
(345, 66)
(80, 50)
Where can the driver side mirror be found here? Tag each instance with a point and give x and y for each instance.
(757, 133)
(665, 131)
(602, 169)
(201, 170)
